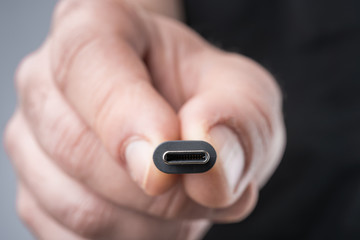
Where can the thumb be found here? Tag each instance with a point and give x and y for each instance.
(239, 116)
(224, 183)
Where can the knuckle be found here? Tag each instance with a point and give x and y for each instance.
(88, 218)
(77, 16)
(24, 71)
(64, 137)
(10, 137)
(25, 210)
(32, 84)
(34, 97)
(65, 7)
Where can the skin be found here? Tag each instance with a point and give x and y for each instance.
(113, 80)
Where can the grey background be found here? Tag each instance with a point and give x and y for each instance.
(23, 26)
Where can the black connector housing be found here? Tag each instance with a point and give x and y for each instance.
(178, 157)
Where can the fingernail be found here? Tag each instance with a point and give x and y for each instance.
(138, 156)
(230, 153)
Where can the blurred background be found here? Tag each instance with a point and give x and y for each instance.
(23, 26)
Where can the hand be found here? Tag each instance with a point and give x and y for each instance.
(110, 83)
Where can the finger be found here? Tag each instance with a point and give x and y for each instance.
(101, 74)
(82, 212)
(38, 221)
(235, 113)
(65, 137)
(65, 200)
(43, 226)
(75, 148)
(50, 185)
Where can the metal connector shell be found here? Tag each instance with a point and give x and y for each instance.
(184, 157)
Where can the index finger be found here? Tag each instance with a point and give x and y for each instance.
(97, 52)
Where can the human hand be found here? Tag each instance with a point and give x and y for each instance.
(109, 84)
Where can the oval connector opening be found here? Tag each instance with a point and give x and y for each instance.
(186, 157)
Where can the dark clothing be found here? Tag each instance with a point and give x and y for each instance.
(313, 49)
